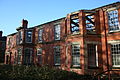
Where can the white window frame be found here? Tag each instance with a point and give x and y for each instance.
(118, 51)
(75, 56)
(40, 35)
(57, 31)
(20, 37)
(27, 35)
(57, 55)
(39, 55)
(38, 51)
(19, 55)
(114, 20)
(17, 39)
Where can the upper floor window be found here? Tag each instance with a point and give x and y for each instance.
(57, 32)
(29, 36)
(74, 24)
(75, 55)
(57, 55)
(115, 51)
(20, 37)
(113, 20)
(40, 32)
(9, 40)
(17, 39)
(90, 22)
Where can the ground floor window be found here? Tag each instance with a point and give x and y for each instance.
(75, 55)
(19, 54)
(92, 55)
(57, 55)
(28, 56)
(115, 51)
(39, 56)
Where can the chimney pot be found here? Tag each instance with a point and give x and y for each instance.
(1, 33)
(24, 23)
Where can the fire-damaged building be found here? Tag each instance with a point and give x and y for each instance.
(85, 41)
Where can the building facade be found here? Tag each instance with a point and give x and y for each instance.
(85, 41)
(2, 47)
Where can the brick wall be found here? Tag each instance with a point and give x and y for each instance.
(100, 37)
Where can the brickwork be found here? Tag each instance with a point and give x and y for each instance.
(81, 28)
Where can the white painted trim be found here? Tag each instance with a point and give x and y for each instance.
(7, 52)
(37, 51)
(57, 64)
(111, 9)
(112, 31)
(57, 23)
(75, 43)
(96, 55)
(114, 41)
(116, 65)
(40, 27)
(92, 42)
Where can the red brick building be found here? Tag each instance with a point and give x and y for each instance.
(2, 47)
(85, 41)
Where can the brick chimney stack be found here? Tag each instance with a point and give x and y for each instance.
(1, 33)
(24, 24)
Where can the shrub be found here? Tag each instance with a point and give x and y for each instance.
(38, 73)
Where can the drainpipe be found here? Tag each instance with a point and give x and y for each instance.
(106, 47)
(66, 55)
(10, 58)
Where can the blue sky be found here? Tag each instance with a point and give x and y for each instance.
(40, 11)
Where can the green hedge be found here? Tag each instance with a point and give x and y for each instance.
(38, 73)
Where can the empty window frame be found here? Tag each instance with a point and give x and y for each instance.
(39, 56)
(92, 55)
(115, 51)
(74, 24)
(57, 55)
(40, 33)
(113, 20)
(75, 55)
(90, 22)
(57, 31)
(28, 36)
